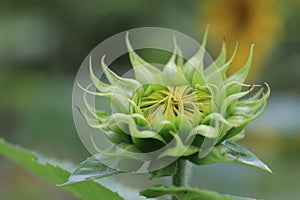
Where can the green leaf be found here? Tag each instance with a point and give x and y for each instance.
(243, 156)
(186, 193)
(217, 154)
(90, 169)
(230, 151)
(55, 172)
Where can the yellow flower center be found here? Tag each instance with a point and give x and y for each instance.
(169, 102)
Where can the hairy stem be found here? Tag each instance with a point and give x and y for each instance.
(179, 177)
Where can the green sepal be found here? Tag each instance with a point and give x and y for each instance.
(145, 140)
(217, 70)
(163, 128)
(243, 114)
(129, 85)
(101, 86)
(231, 100)
(123, 150)
(119, 102)
(177, 148)
(183, 125)
(204, 130)
(193, 68)
(171, 74)
(105, 123)
(221, 59)
(240, 76)
(144, 71)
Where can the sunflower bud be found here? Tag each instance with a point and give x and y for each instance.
(183, 110)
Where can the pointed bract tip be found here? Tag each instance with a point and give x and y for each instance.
(129, 47)
(103, 58)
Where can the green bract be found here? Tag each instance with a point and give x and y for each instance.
(196, 113)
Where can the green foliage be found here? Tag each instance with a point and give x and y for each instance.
(183, 101)
(55, 172)
(166, 171)
(197, 112)
(90, 169)
(230, 151)
(203, 110)
(186, 193)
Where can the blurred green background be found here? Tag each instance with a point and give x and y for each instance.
(42, 44)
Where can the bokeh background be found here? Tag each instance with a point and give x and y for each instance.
(42, 44)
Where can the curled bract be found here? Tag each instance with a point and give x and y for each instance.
(183, 110)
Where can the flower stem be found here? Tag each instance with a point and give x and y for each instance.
(179, 177)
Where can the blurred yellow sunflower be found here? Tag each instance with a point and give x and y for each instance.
(245, 22)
